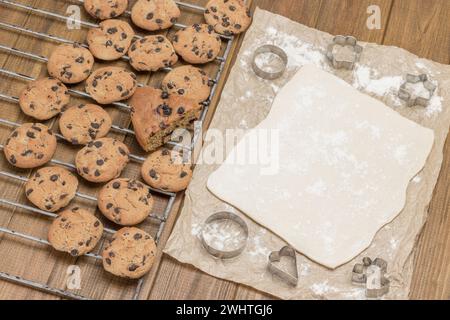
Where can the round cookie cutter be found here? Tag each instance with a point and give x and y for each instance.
(269, 48)
(225, 216)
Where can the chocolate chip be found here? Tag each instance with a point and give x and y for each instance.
(165, 152)
(116, 185)
(96, 223)
(122, 151)
(111, 254)
(109, 206)
(94, 83)
(232, 8)
(183, 174)
(108, 261)
(54, 177)
(79, 60)
(95, 125)
(137, 236)
(133, 267)
(31, 135)
(74, 252)
(108, 43)
(158, 21)
(55, 88)
(112, 30)
(85, 170)
(28, 192)
(180, 91)
(237, 26)
(165, 95)
(152, 174)
(180, 110)
(100, 162)
(97, 173)
(119, 88)
(149, 16)
(123, 36)
(98, 144)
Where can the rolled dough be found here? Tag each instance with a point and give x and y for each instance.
(345, 161)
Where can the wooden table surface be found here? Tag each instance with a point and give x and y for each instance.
(419, 26)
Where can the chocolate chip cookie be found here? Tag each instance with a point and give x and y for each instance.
(130, 254)
(156, 115)
(228, 17)
(44, 98)
(189, 82)
(166, 170)
(125, 201)
(155, 14)
(76, 231)
(84, 123)
(105, 9)
(111, 40)
(70, 63)
(102, 160)
(51, 188)
(197, 44)
(152, 53)
(111, 84)
(30, 145)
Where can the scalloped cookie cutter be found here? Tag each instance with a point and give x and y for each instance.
(268, 48)
(411, 98)
(371, 274)
(220, 253)
(275, 257)
(344, 41)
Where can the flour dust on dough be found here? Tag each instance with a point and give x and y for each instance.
(345, 162)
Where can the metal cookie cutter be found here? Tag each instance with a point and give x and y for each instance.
(413, 99)
(268, 48)
(371, 274)
(275, 258)
(224, 254)
(344, 62)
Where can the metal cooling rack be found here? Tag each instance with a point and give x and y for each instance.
(32, 210)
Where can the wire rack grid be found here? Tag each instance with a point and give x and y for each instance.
(160, 219)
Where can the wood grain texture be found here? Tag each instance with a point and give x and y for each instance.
(417, 25)
(426, 32)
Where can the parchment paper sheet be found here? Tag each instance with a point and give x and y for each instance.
(246, 101)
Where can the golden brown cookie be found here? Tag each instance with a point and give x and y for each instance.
(70, 63)
(155, 15)
(102, 160)
(51, 188)
(166, 170)
(111, 40)
(30, 145)
(156, 115)
(197, 44)
(76, 231)
(84, 123)
(228, 17)
(105, 9)
(152, 53)
(111, 84)
(189, 82)
(44, 98)
(130, 254)
(125, 201)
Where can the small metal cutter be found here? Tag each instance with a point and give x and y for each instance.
(275, 258)
(268, 48)
(413, 99)
(371, 274)
(344, 62)
(223, 254)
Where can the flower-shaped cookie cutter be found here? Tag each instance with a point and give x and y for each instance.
(218, 252)
(275, 258)
(371, 274)
(413, 99)
(344, 62)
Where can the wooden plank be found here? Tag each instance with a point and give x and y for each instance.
(349, 17)
(426, 32)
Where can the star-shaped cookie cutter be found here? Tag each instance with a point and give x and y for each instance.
(275, 257)
(345, 63)
(411, 98)
(371, 274)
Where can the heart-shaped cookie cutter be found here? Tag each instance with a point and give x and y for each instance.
(371, 274)
(219, 253)
(412, 99)
(275, 257)
(343, 41)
